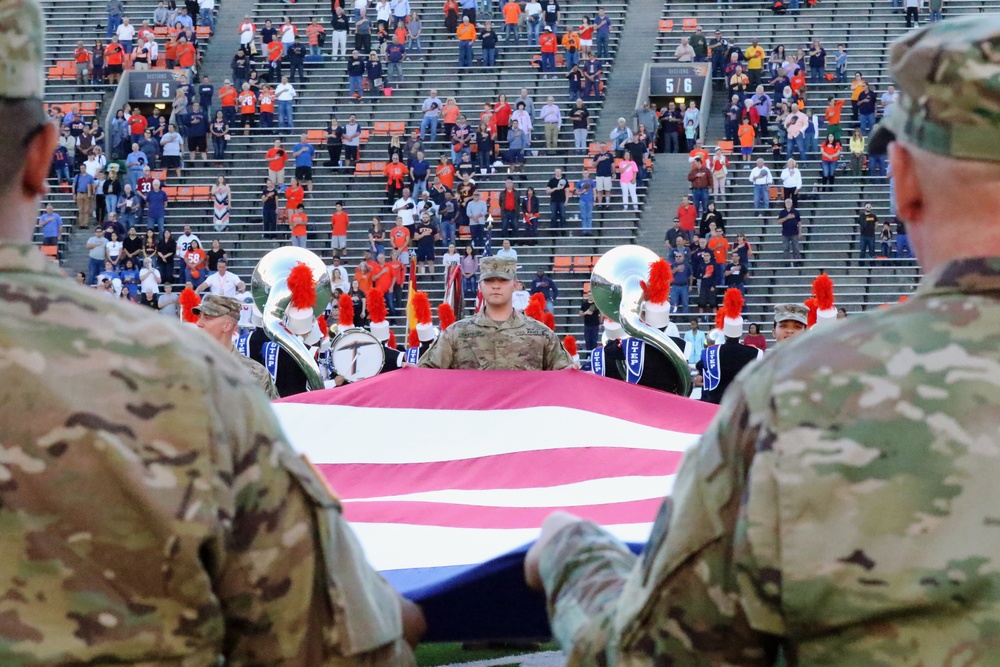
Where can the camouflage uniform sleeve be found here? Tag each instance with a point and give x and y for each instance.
(261, 375)
(556, 356)
(441, 353)
(292, 580)
(703, 592)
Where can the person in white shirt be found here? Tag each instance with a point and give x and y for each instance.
(761, 179)
(126, 33)
(506, 252)
(552, 117)
(222, 282)
(450, 259)
(247, 307)
(521, 297)
(338, 277)
(383, 11)
(207, 14)
(285, 93)
(96, 162)
(287, 32)
(533, 19)
(791, 181)
(405, 208)
(247, 32)
(684, 51)
(149, 277)
(184, 241)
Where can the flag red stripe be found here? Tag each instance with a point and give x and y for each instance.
(511, 390)
(520, 470)
(468, 516)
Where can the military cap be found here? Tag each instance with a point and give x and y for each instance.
(794, 312)
(496, 267)
(22, 37)
(218, 306)
(949, 80)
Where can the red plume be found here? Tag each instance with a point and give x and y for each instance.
(392, 340)
(823, 291)
(324, 327)
(346, 318)
(376, 306)
(904, 298)
(302, 286)
(538, 298)
(534, 311)
(412, 339)
(657, 290)
(732, 303)
(422, 307)
(570, 344)
(188, 300)
(810, 303)
(720, 318)
(446, 316)
(549, 320)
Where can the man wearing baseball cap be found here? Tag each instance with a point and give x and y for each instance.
(790, 319)
(219, 317)
(498, 337)
(841, 509)
(151, 510)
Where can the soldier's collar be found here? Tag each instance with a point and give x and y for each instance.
(969, 276)
(25, 258)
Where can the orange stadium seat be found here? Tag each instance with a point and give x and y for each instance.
(562, 264)
(201, 193)
(50, 251)
(689, 25)
(378, 168)
(316, 135)
(726, 146)
(381, 128)
(397, 127)
(185, 193)
(666, 25)
(362, 169)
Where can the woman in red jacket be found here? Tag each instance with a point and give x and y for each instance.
(501, 116)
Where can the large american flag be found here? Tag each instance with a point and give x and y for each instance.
(447, 475)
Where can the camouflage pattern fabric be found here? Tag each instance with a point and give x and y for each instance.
(151, 512)
(949, 78)
(259, 373)
(841, 508)
(519, 344)
(22, 39)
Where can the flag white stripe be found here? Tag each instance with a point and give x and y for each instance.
(423, 436)
(401, 547)
(590, 492)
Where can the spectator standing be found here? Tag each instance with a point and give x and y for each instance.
(857, 146)
(356, 68)
(544, 285)
(830, 159)
(488, 36)
(276, 158)
(912, 12)
(556, 189)
(84, 189)
(285, 94)
(431, 108)
(425, 232)
(304, 154)
(867, 107)
(466, 34)
(817, 62)
(96, 254)
(339, 222)
(394, 53)
(476, 211)
(867, 224)
(680, 291)
(548, 44)
(530, 214)
(761, 179)
(791, 231)
(298, 223)
(602, 33)
(628, 173)
(50, 223)
(619, 136)
(269, 209)
(469, 265)
(584, 190)
(340, 26)
(791, 181)
(700, 45)
(551, 11)
(700, 179)
(296, 54)
(511, 19)
(552, 117)
(591, 317)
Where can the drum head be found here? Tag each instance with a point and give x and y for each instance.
(357, 355)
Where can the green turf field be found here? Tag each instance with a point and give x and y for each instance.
(431, 655)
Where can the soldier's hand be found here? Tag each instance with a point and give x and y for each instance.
(552, 525)
(414, 623)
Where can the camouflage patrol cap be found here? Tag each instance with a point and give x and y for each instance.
(218, 306)
(949, 77)
(496, 267)
(22, 36)
(794, 312)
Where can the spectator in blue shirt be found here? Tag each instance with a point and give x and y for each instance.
(419, 168)
(592, 78)
(206, 95)
(680, 287)
(51, 224)
(60, 164)
(695, 340)
(602, 33)
(303, 152)
(196, 123)
(585, 192)
(395, 53)
(156, 203)
(542, 284)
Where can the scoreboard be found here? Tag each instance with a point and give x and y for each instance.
(680, 80)
(152, 86)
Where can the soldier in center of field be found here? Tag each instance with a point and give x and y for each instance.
(219, 317)
(499, 337)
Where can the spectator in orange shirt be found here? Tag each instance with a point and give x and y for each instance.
(446, 172)
(549, 45)
(114, 59)
(687, 214)
(466, 34)
(511, 18)
(571, 43)
(294, 194)
(395, 175)
(276, 158)
(266, 100)
(170, 50)
(832, 116)
(298, 223)
(275, 51)
(400, 237)
(83, 59)
(313, 32)
(248, 108)
(719, 247)
(398, 269)
(747, 136)
(227, 101)
(339, 222)
(187, 54)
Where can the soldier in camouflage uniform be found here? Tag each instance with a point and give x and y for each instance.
(842, 508)
(151, 511)
(219, 317)
(499, 337)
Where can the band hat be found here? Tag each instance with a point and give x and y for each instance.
(657, 315)
(613, 329)
(949, 102)
(792, 312)
(380, 330)
(425, 332)
(218, 306)
(22, 39)
(299, 320)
